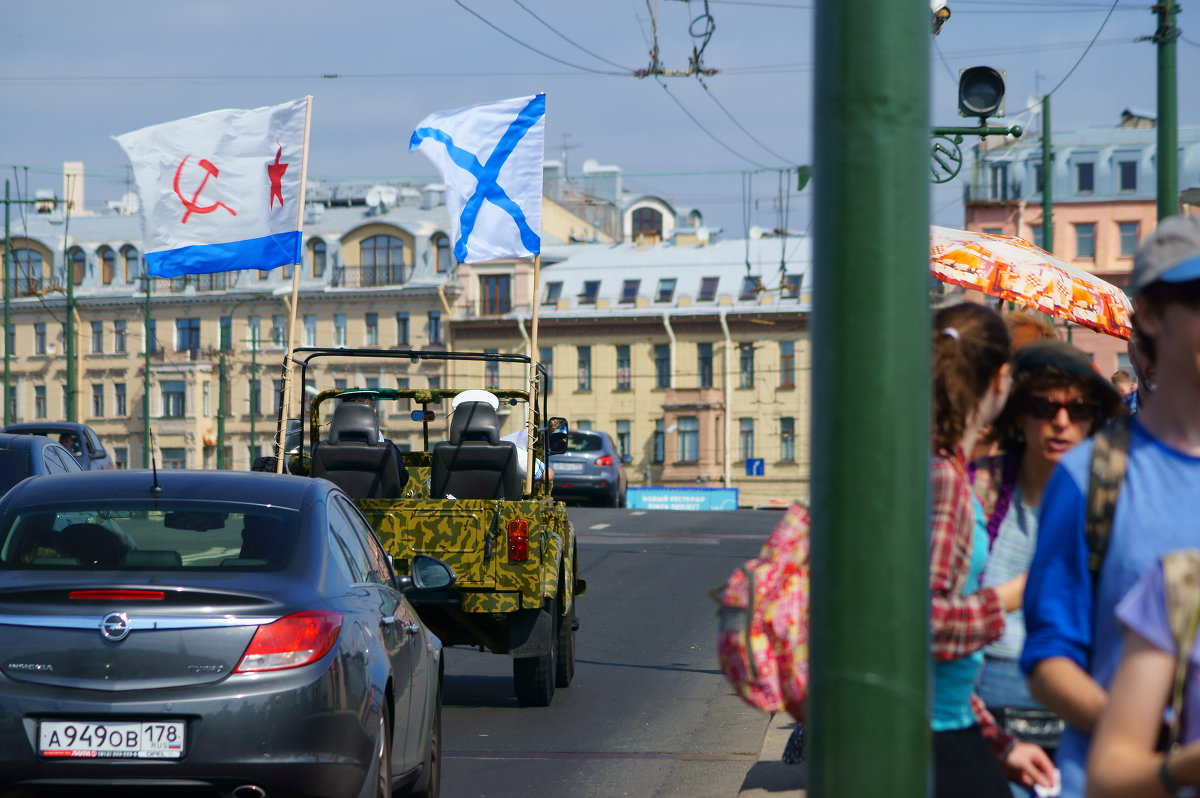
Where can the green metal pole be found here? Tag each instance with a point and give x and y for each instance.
(146, 377)
(870, 382)
(1047, 179)
(1168, 111)
(72, 415)
(7, 300)
(221, 381)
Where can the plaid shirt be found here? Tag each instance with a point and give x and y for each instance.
(961, 624)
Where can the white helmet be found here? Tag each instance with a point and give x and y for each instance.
(475, 395)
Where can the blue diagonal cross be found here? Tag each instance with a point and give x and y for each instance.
(486, 187)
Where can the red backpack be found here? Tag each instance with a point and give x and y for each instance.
(762, 640)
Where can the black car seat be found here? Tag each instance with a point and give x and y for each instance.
(354, 459)
(475, 463)
(91, 544)
(264, 538)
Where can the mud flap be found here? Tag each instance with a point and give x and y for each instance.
(530, 633)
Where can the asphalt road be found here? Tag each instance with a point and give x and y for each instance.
(648, 713)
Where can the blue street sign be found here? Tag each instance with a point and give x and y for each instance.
(755, 467)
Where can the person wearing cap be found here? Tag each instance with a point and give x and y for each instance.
(1073, 638)
(1057, 400)
(520, 438)
(362, 398)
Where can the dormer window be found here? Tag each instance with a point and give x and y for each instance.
(591, 289)
(666, 290)
(750, 287)
(708, 289)
(553, 292)
(1085, 178)
(629, 291)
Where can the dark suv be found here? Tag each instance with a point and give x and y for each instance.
(590, 470)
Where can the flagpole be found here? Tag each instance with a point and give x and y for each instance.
(530, 409)
(286, 391)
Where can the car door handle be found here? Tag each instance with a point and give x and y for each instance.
(388, 620)
(412, 628)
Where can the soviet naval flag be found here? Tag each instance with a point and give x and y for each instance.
(490, 157)
(221, 191)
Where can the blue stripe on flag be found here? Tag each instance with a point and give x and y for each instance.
(264, 253)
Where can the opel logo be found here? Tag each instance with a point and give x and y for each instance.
(115, 626)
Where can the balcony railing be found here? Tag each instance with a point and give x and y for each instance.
(367, 276)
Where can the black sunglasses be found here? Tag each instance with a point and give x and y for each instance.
(1047, 409)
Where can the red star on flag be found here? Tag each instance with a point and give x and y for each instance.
(275, 173)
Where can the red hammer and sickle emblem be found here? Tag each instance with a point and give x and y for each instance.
(209, 171)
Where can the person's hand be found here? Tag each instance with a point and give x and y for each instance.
(1011, 593)
(1029, 764)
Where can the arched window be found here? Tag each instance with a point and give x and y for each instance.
(318, 250)
(108, 265)
(441, 253)
(29, 271)
(133, 263)
(78, 263)
(382, 259)
(647, 224)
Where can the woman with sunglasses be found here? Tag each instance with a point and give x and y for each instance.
(1058, 399)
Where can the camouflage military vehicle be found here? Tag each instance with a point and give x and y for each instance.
(513, 551)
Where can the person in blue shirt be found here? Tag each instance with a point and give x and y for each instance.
(1073, 640)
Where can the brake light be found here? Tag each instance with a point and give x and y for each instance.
(117, 595)
(518, 540)
(291, 642)
(605, 460)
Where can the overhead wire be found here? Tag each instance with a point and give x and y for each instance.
(739, 125)
(705, 130)
(567, 39)
(1087, 50)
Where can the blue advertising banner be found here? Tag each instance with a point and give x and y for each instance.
(682, 498)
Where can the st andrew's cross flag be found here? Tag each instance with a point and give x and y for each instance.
(221, 191)
(490, 157)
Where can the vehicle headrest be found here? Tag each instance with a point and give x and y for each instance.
(354, 422)
(475, 421)
(263, 537)
(91, 544)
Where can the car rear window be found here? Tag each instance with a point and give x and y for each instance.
(167, 536)
(14, 467)
(582, 442)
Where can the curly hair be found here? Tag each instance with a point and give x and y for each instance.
(970, 344)
(1006, 429)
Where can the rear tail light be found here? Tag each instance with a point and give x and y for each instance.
(117, 595)
(518, 540)
(291, 642)
(605, 460)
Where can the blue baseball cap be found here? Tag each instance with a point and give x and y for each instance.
(1170, 254)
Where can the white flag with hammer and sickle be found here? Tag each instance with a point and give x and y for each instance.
(221, 191)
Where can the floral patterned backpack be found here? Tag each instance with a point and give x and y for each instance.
(762, 637)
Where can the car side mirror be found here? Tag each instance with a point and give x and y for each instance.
(556, 442)
(430, 573)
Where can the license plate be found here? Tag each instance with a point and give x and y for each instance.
(160, 739)
(568, 468)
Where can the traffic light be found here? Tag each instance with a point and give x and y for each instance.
(981, 92)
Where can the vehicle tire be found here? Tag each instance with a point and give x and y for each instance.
(534, 677)
(564, 669)
(622, 500)
(429, 783)
(383, 761)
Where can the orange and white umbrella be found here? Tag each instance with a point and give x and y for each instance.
(1012, 269)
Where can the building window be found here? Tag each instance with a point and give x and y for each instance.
(624, 371)
(629, 291)
(787, 364)
(121, 457)
(660, 442)
(491, 369)
(278, 329)
(253, 331)
(174, 399)
(39, 338)
(746, 372)
(206, 400)
(1085, 240)
(790, 286)
(174, 457)
(746, 437)
(666, 290)
(187, 335)
(255, 397)
(704, 362)
(591, 288)
(1037, 178)
(39, 401)
(687, 438)
(97, 337)
(133, 264)
(1000, 183)
(434, 327)
(339, 329)
(441, 253)
(750, 288)
(553, 292)
(1127, 176)
(382, 259)
(29, 270)
(546, 355)
(122, 401)
(97, 400)
(401, 329)
(277, 391)
(623, 433)
(496, 294)
(108, 265)
(1039, 238)
(319, 253)
(78, 263)
(647, 223)
(993, 231)
(662, 366)
(585, 368)
(1085, 178)
(225, 333)
(310, 329)
(583, 425)
(708, 289)
(1129, 238)
(372, 325)
(152, 335)
(787, 439)
(12, 402)
(435, 382)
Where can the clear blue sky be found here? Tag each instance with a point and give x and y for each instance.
(72, 74)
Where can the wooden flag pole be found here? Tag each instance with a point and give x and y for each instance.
(530, 409)
(285, 398)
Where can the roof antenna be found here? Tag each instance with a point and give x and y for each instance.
(155, 489)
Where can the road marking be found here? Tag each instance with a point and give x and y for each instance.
(638, 512)
(599, 526)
